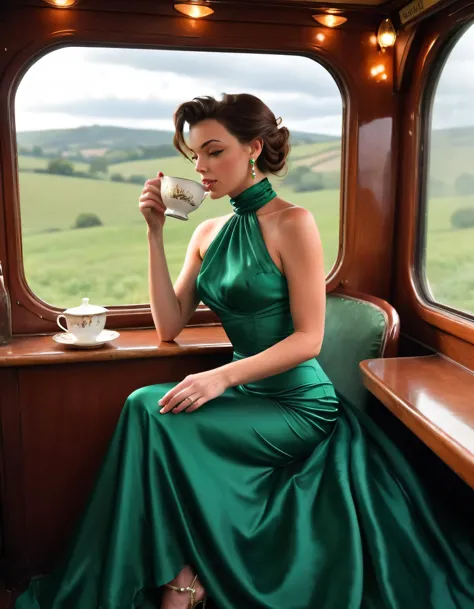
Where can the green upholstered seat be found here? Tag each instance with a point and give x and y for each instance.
(355, 330)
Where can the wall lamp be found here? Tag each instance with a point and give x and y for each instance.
(386, 34)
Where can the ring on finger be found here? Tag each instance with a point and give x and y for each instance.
(189, 402)
(184, 401)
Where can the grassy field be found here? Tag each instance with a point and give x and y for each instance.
(32, 162)
(309, 150)
(450, 255)
(51, 202)
(108, 264)
(184, 168)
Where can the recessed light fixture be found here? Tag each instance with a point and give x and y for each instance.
(330, 20)
(61, 3)
(195, 11)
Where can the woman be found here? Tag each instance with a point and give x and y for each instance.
(273, 494)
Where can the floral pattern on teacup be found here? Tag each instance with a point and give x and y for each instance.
(87, 321)
(179, 193)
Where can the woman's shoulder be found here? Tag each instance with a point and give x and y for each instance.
(208, 230)
(280, 212)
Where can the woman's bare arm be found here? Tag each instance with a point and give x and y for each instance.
(172, 306)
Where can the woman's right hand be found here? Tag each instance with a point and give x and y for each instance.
(151, 204)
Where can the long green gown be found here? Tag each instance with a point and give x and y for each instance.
(278, 493)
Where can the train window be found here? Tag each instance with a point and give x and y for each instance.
(94, 123)
(448, 256)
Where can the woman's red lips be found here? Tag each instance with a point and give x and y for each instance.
(208, 183)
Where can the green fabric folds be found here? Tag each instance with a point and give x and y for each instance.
(280, 494)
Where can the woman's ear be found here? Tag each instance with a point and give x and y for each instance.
(256, 148)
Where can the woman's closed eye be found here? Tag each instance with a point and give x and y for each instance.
(215, 153)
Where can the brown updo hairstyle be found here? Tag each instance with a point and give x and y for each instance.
(246, 117)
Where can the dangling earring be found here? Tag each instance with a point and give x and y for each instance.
(252, 171)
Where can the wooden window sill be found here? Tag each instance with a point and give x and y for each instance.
(432, 396)
(132, 344)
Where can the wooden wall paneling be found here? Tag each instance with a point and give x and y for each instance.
(13, 509)
(58, 428)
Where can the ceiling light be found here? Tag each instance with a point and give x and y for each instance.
(386, 35)
(61, 3)
(330, 20)
(196, 11)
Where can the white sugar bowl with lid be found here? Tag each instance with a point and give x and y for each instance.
(84, 322)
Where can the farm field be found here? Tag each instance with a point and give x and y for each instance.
(108, 263)
(28, 163)
(450, 255)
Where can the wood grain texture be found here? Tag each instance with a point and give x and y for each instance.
(432, 396)
(131, 344)
(56, 423)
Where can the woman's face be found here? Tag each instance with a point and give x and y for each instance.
(222, 161)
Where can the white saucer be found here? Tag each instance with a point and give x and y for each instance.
(65, 338)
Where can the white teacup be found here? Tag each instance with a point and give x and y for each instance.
(181, 196)
(85, 322)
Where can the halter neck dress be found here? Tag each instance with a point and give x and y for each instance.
(279, 493)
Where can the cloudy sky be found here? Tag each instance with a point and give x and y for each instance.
(141, 88)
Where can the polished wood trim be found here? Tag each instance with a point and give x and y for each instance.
(262, 10)
(131, 344)
(405, 38)
(56, 423)
(369, 154)
(428, 322)
(143, 343)
(432, 396)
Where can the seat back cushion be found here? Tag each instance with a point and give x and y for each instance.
(355, 330)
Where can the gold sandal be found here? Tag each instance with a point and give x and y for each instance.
(192, 594)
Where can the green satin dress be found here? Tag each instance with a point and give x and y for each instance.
(278, 493)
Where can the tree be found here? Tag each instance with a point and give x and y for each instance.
(137, 179)
(117, 177)
(463, 218)
(99, 165)
(295, 176)
(61, 167)
(37, 151)
(464, 184)
(87, 220)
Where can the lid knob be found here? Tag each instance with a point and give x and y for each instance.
(85, 302)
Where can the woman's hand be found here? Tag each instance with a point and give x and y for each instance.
(199, 388)
(151, 204)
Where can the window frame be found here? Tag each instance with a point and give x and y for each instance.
(30, 314)
(426, 110)
(450, 333)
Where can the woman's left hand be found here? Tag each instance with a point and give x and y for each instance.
(194, 391)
